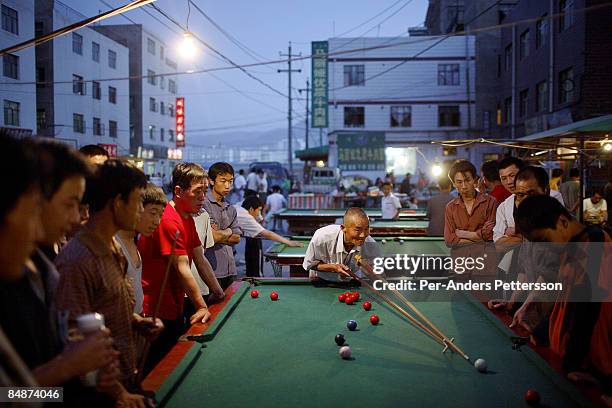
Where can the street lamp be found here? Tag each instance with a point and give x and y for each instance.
(187, 48)
(436, 170)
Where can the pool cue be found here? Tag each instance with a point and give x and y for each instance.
(448, 342)
(394, 305)
(147, 344)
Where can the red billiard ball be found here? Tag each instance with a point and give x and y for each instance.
(274, 296)
(367, 306)
(374, 319)
(349, 300)
(341, 297)
(356, 294)
(347, 294)
(532, 397)
(254, 294)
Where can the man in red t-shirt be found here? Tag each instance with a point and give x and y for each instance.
(189, 182)
(492, 183)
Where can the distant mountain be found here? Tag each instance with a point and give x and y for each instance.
(240, 138)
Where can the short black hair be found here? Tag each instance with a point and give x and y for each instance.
(241, 171)
(490, 170)
(461, 166)
(113, 178)
(574, 172)
(597, 190)
(92, 150)
(387, 183)
(220, 168)
(153, 194)
(276, 188)
(252, 202)
(65, 162)
(534, 172)
(20, 171)
(444, 183)
(184, 174)
(511, 161)
(249, 193)
(538, 212)
(556, 173)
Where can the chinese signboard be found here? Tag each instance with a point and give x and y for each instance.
(180, 122)
(319, 84)
(110, 148)
(361, 151)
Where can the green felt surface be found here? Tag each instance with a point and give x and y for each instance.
(410, 246)
(339, 212)
(263, 353)
(399, 224)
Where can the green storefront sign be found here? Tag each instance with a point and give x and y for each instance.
(361, 151)
(319, 84)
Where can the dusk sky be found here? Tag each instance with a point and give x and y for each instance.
(264, 27)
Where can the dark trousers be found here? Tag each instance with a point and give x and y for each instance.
(173, 330)
(252, 256)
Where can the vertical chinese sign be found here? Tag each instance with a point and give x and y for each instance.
(319, 84)
(180, 122)
(361, 151)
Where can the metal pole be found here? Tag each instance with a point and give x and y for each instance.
(289, 119)
(307, 92)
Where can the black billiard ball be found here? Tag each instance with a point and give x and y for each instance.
(340, 339)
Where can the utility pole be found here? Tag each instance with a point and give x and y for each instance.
(290, 71)
(307, 90)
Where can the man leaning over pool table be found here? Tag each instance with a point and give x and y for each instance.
(332, 249)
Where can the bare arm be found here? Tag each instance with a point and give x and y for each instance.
(206, 272)
(192, 290)
(275, 237)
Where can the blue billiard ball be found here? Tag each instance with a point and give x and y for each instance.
(351, 325)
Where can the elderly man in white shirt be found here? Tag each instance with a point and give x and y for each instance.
(332, 249)
(390, 204)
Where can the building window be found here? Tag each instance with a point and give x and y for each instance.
(41, 120)
(95, 51)
(11, 113)
(354, 116)
(566, 7)
(151, 46)
(523, 101)
(566, 85)
(354, 75)
(151, 78)
(112, 59)
(161, 134)
(448, 74)
(96, 91)
(78, 85)
(524, 45)
(152, 132)
(77, 43)
(10, 64)
(161, 53)
(97, 127)
(171, 63)
(542, 31)
(498, 115)
(152, 105)
(541, 96)
(162, 82)
(171, 110)
(78, 123)
(112, 128)
(10, 20)
(170, 135)
(448, 116)
(508, 58)
(162, 108)
(401, 116)
(507, 110)
(112, 94)
(172, 86)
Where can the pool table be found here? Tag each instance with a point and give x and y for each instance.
(261, 353)
(280, 255)
(307, 221)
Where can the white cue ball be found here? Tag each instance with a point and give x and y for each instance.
(384, 241)
(401, 241)
(481, 365)
(345, 352)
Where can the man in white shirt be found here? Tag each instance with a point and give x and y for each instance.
(504, 217)
(251, 180)
(595, 209)
(390, 204)
(239, 185)
(262, 182)
(204, 230)
(253, 231)
(332, 249)
(274, 205)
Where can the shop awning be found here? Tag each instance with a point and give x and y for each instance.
(314, 153)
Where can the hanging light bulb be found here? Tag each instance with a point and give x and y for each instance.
(188, 48)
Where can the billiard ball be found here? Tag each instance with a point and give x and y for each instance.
(532, 397)
(274, 296)
(351, 325)
(349, 300)
(367, 306)
(341, 297)
(356, 294)
(254, 294)
(401, 241)
(481, 365)
(339, 339)
(384, 241)
(374, 319)
(353, 297)
(345, 352)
